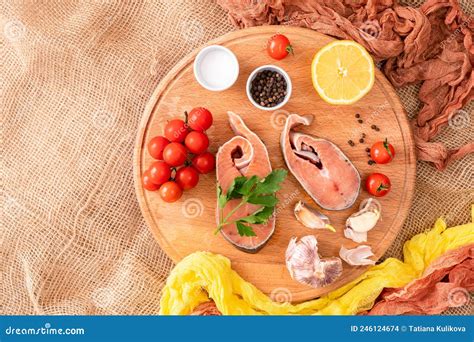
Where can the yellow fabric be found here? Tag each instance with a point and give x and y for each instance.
(204, 275)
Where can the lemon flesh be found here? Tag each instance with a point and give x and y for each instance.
(342, 72)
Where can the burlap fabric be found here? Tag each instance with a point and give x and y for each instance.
(74, 81)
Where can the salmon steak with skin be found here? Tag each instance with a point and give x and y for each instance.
(322, 169)
(243, 155)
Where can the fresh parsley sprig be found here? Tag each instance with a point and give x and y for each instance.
(253, 190)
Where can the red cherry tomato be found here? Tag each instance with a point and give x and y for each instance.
(382, 152)
(170, 192)
(174, 154)
(147, 183)
(156, 147)
(176, 130)
(187, 177)
(278, 46)
(378, 184)
(200, 119)
(196, 142)
(160, 172)
(204, 162)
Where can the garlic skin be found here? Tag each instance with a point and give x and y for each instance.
(357, 256)
(311, 218)
(359, 223)
(307, 267)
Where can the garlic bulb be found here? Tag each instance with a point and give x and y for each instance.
(359, 223)
(311, 218)
(357, 256)
(307, 267)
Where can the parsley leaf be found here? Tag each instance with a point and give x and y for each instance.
(253, 190)
(221, 198)
(244, 230)
(271, 183)
(260, 216)
(248, 186)
(234, 188)
(266, 200)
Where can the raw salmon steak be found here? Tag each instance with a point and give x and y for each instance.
(322, 169)
(243, 155)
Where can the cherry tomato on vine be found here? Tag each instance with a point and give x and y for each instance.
(170, 192)
(278, 46)
(200, 119)
(187, 177)
(204, 162)
(156, 147)
(378, 184)
(147, 183)
(174, 154)
(382, 152)
(160, 172)
(196, 142)
(176, 130)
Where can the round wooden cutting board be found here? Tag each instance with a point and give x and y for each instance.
(188, 225)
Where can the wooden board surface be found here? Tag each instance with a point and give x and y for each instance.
(187, 226)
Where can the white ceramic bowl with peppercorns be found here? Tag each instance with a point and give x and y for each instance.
(265, 93)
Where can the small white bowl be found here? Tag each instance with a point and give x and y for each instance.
(272, 68)
(216, 68)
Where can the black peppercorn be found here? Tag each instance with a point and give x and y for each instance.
(268, 88)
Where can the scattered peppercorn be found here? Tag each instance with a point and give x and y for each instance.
(357, 115)
(367, 149)
(371, 162)
(361, 140)
(363, 135)
(360, 121)
(268, 88)
(373, 127)
(377, 129)
(350, 142)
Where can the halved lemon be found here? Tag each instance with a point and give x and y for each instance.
(342, 72)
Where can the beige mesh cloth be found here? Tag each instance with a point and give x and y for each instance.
(74, 81)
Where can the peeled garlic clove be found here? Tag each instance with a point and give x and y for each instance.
(355, 236)
(311, 218)
(366, 218)
(307, 267)
(357, 256)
